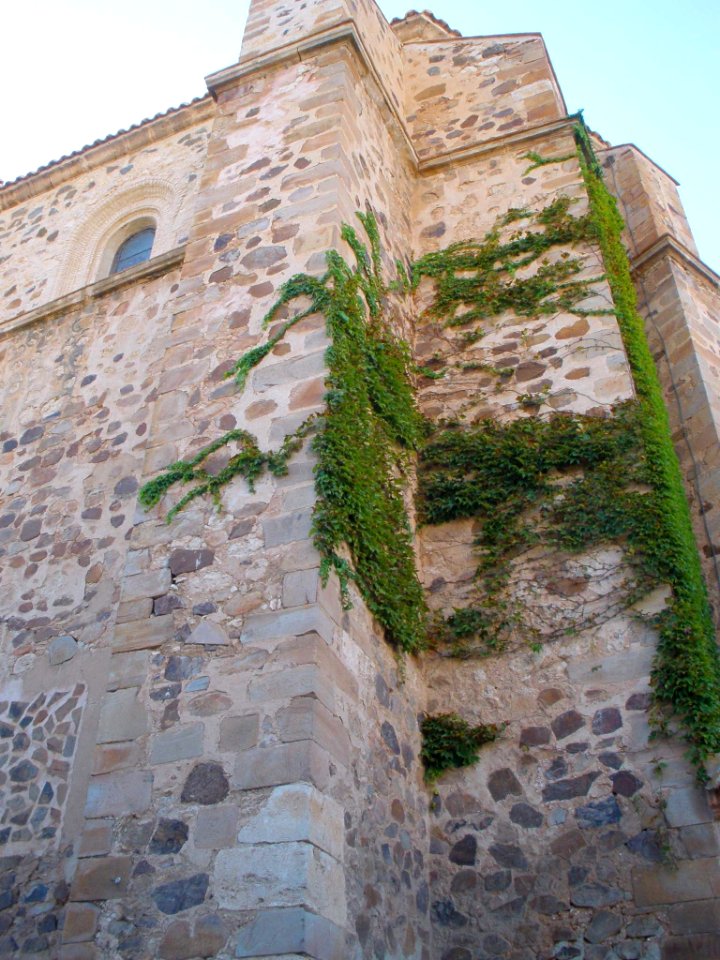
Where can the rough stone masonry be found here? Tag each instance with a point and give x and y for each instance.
(202, 753)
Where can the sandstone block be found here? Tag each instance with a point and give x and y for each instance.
(287, 528)
(128, 670)
(209, 634)
(298, 812)
(280, 875)
(288, 623)
(306, 718)
(143, 634)
(122, 717)
(119, 794)
(284, 763)
(687, 805)
(81, 920)
(131, 610)
(96, 839)
(101, 878)
(700, 916)
(239, 733)
(706, 946)
(691, 880)
(300, 588)
(151, 583)
(178, 743)
(182, 942)
(216, 827)
(292, 931)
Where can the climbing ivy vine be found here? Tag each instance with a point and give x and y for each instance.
(566, 481)
(362, 440)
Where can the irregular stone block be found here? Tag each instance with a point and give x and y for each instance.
(189, 561)
(600, 813)
(119, 794)
(567, 723)
(603, 926)
(502, 783)
(61, 649)
(122, 717)
(298, 812)
(279, 875)
(151, 583)
(573, 787)
(101, 878)
(209, 634)
(205, 784)
(169, 837)
(182, 894)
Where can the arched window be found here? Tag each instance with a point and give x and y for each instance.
(137, 248)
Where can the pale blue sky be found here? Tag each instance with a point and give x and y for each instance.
(646, 72)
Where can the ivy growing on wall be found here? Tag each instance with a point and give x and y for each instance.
(567, 481)
(362, 440)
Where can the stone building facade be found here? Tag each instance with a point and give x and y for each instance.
(202, 752)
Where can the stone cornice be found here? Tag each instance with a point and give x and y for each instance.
(95, 155)
(78, 298)
(343, 32)
(483, 147)
(346, 32)
(668, 246)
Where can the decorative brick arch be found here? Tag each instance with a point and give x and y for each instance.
(150, 203)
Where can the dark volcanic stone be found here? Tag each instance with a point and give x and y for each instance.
(625, 783)
(601, 813)
(567, 789)
(607, 720)
(179, 668)
(612, 760)
(188, 561)
(557, 769)
(567, 723)
(595, 895)
(206, 784)
(646, 844)
(508, 855)
(126, 487)
(534, 736)
(464, 852)
(495, 882)
(387, 731)
(463, 881)
(166, 603)
(169, 836)
(503, 782)
(457, 953)
(602, 926)
(445, 914)
(525, 815)
(578, 747)
(638, 701)
(23, 772)
(181, 894)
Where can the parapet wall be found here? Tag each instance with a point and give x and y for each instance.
(208, 755)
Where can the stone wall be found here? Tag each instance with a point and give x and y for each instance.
(203, 753)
